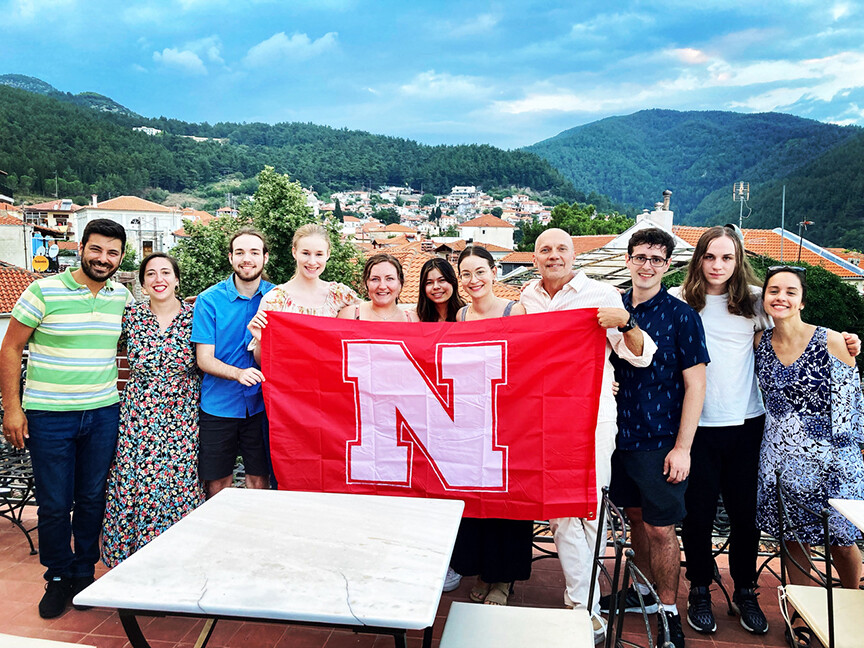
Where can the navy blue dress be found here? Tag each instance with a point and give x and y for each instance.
(812, 430)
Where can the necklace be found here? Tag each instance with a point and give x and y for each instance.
(386, 319)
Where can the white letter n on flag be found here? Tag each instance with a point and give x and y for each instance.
(397, 406)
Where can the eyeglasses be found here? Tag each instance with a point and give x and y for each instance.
(480, 273)
(655, 261)
(787, 268)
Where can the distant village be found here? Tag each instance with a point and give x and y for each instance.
(42, 238)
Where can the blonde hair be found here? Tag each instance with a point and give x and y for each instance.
(311, 229)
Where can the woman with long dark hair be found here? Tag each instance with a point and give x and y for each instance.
(497, 551)
(439, 299)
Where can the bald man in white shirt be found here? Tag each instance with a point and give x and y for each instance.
(562, 288)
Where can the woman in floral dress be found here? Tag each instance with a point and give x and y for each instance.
(154, 482)
(814, 426)
(305, 293)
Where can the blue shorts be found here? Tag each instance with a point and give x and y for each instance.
(638, 482)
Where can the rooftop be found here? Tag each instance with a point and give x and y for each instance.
(130, 203)
(486, 220)
(21, 586)
(13, 282)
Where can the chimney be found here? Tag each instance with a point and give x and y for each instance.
(93, 201)
(667, 195)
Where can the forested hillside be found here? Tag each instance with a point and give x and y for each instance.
(695, 154)
(98, 152)
(829, 191)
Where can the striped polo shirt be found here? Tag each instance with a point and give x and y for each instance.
(74, 343)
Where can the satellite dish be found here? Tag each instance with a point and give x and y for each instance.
(40, 251)
(53, 251)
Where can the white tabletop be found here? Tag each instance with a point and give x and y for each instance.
(852, 510)
(504, 627)
(296, 556)
(14, 641)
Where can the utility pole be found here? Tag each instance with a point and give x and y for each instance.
(801, 224)
(783, 223)
(55, 184)
(741, 194)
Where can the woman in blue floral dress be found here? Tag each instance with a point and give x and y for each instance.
(814, 424)
(154, 482)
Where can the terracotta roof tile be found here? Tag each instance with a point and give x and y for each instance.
(767, 243)
(397, 227)
(4, 206)
(518, 257)
(131, 203)
(13, 282)
(8, 219)
(582, 244)
(486, 220)
(460, 244)
(53, 205)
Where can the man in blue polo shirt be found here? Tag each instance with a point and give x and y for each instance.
(658, 412)
(232, 418)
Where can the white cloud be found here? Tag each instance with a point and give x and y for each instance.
(431, 84)
(481, 24)
(209, 48)
(298, 47)
(690, 56)
(839, 10)
(27, 10)
(183, 60)
(610, 25)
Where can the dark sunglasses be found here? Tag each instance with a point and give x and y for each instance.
(788, 268)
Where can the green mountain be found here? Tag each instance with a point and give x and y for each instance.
(93, 148)
(92, 100)
(699, 155)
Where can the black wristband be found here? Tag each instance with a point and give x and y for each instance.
(631, 324)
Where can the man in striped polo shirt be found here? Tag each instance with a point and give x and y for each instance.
(70, 410)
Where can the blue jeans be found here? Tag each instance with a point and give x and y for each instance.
(71, 453)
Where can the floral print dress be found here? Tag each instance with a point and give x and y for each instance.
(812, 431)
(153, 481)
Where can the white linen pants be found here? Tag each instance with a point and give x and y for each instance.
(575, 537)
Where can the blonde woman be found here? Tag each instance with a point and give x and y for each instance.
(305, 292)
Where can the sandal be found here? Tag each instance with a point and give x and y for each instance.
(479, 592)
(498, 594)
(800, 637)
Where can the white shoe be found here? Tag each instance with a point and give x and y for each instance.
(599, 624)
(451, 580)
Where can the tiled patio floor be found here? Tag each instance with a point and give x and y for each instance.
(21, 586)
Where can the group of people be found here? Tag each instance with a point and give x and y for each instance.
(687, 424)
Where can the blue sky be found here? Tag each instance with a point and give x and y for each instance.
(442, 72)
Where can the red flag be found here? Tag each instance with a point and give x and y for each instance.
(499, 413)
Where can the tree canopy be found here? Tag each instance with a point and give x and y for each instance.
(277, 211)
(577, 220)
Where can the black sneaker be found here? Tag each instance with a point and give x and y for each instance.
(745, 604)
(676, 632)
(79, 584)
(699, 613)
(56, 597)
(631, 601)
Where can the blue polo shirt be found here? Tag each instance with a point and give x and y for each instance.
(650, 398)
(221, 316)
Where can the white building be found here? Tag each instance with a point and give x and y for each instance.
(488, 229)
(149, 226)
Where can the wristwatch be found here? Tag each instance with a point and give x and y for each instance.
(631, 323)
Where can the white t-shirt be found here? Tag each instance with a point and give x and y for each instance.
(731, 391)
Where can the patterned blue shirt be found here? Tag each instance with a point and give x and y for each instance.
(650, 398)
(220, 319)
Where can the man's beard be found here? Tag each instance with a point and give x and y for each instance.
(251, 278)
(97, 274)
